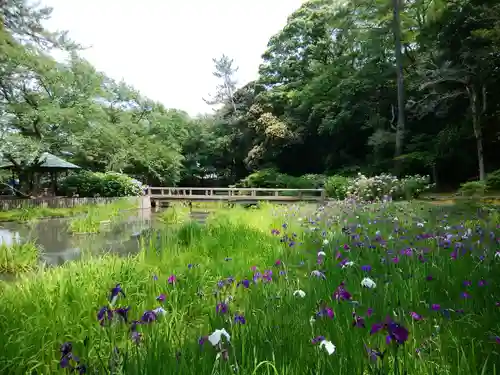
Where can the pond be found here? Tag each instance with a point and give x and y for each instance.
(59, 245)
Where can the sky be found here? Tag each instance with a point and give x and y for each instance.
(164, 48)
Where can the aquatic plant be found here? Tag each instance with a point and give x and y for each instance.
(97, 218)
(175, 214)
(353, 288)
(18, 257)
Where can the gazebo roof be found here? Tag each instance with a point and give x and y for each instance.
(47, 161)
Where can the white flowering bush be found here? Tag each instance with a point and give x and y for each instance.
(387, 187)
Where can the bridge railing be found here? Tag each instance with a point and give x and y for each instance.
(235, 193)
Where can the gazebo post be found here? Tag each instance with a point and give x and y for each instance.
(53, 177)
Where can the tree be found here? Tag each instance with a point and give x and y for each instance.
(400, 127)
(466, 62)
(327, 99)
(224, 71)
(22, 21)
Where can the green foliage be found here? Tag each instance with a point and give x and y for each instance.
(96, 184)
(5, 176)
(336, 187)
(175, 214)
(34, 213)
(190, 233)
(18, 257)
(329, 104)
(320, 105)
(96, 219)
(413, 186)
(271, 178)
(473, 189)
(317, 180)
(493, 181)
(70, 107)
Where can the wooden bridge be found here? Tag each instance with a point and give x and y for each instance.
(236, 195)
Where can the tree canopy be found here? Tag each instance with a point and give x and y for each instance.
(325, 101)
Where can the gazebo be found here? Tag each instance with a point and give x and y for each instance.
(47, 163)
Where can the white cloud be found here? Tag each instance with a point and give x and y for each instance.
(164, 48)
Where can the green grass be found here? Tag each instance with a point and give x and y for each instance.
(29, 214)
(94, 220)
(18, 258)
(200, 205)
(175, 214)
(40, 312)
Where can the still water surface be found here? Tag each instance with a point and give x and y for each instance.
(121, 236)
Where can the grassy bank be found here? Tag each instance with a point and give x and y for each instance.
(98, 217)
(175, 214)
(28, 214)
(18, 258)
(272, 279)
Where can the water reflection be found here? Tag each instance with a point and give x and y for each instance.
(121, 236)
(59, 245)
(8, 237)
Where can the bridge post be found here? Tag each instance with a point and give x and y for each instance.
(323, 195)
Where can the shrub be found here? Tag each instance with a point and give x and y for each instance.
(317, 181)
(336, 187)
(493, 181)
(94, 184)
(412, 186)
(266, 178)
(473, 189)
(119, 185)
(271, 178)
(387, 186)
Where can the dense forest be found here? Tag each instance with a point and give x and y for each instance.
(345, 87)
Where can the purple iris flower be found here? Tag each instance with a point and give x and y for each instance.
(245, 283)
(239, 319)
(123, 313)
(268, 275)
(115, 292)
(416, 316)
(341, 294)
(148, 316)
(326, 312)
(136, 337)
(105, 313)
(317, 339)
(358, 321)
(221, 308)
(172, 279)
(70, 361)
(395, 331)
(374, 354)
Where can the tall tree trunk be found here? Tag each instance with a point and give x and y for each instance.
(477, 108)
(400, 127)
(229, 93)
(434, 174)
